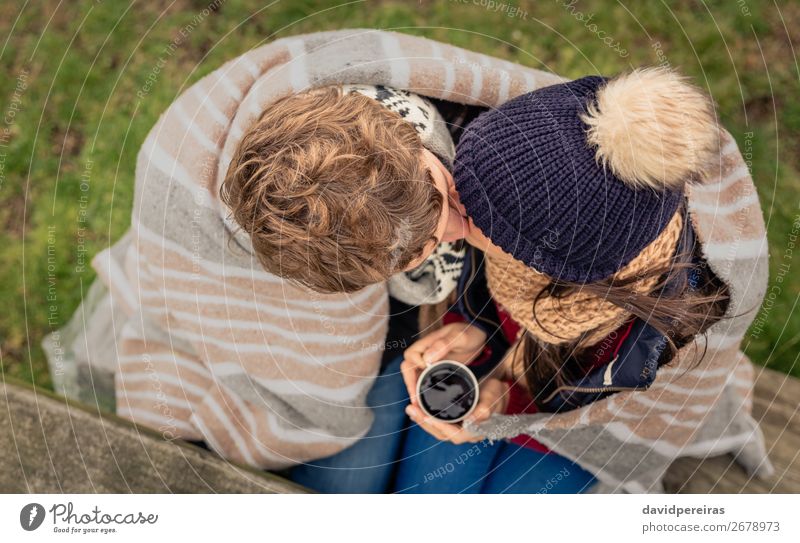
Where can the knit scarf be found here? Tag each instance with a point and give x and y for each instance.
(417, 110)
(559, 320)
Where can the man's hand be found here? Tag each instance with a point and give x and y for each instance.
(493, 399)
(457, 341)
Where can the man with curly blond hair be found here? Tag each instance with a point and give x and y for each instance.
(246, 307)
(339, 188)
(343, 187)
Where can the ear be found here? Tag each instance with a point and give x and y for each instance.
(652, 129)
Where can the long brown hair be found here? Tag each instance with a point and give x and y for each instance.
(679, 312)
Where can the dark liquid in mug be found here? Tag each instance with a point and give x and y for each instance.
(447, 393)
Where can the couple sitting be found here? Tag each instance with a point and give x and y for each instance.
(570, 200)
(590, 249)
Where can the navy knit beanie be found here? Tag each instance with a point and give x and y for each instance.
(531, 180)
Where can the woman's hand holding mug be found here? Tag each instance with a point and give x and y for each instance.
(460, 342)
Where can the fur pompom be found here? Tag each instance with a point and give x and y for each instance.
(652, 129)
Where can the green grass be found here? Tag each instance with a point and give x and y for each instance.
(85, 60)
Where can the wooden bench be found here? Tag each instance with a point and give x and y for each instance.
(49, 444)
(776, 401)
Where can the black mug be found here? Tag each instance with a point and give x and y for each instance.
(448, 391)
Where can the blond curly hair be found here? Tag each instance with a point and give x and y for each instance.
(332, 190)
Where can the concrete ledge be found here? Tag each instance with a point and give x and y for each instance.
(50, 444)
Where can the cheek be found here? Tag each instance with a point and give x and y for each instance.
(455, 201)
(444, 218)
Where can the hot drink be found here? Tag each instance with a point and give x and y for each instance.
(447, 391)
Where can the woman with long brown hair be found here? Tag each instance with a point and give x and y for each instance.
(584, 276)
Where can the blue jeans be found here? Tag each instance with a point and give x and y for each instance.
(430, 466)
(367, 466)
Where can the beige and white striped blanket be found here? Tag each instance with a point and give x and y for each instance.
(214, 348)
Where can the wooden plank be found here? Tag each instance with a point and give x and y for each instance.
(50, 444)
(776, 402)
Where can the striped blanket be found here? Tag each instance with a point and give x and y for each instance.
(211, 347)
